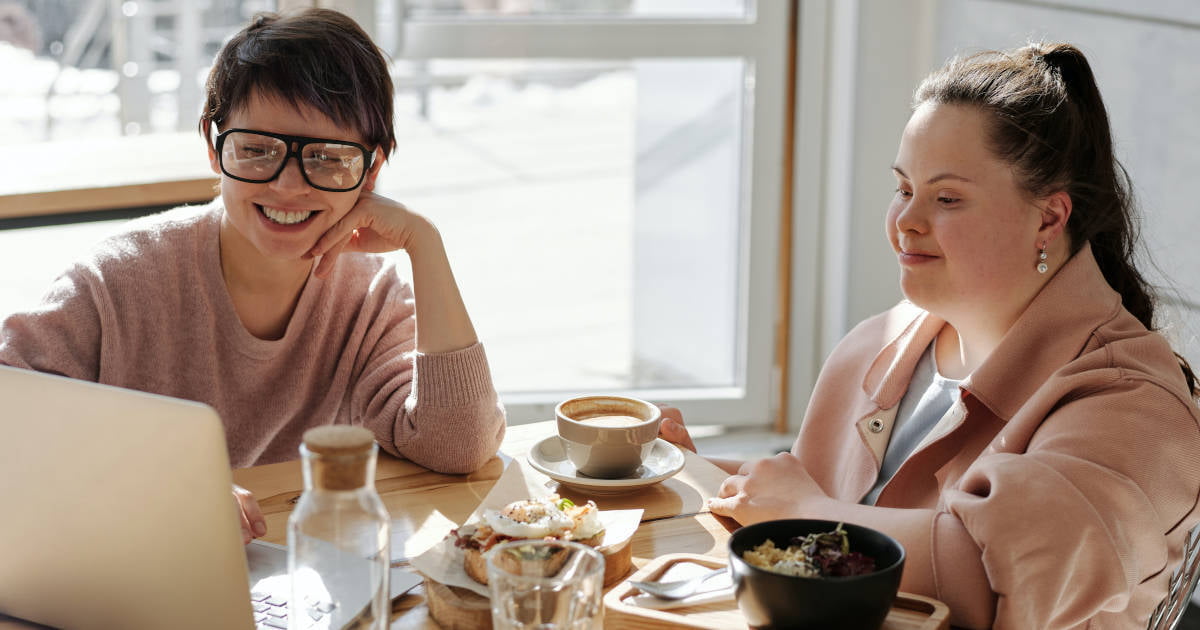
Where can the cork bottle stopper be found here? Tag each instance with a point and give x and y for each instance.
(342, 454)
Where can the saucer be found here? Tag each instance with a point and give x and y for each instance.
(550, 458)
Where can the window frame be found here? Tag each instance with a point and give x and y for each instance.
(760, 38)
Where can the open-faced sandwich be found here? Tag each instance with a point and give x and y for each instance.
(546, 518)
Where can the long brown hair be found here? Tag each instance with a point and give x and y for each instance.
(1049, 122)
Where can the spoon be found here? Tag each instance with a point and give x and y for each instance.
(677, 589)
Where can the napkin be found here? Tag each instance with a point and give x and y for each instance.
(432, 548)
(714, 589)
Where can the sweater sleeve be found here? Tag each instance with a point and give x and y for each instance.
(439, 410)
(62, 334)
(1070, 527)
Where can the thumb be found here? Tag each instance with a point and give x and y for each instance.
(722, 507)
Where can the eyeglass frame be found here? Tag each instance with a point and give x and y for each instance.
(300, 143)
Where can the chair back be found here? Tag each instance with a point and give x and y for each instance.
(1179, 591)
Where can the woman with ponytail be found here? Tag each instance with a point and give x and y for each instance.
(1016, 423)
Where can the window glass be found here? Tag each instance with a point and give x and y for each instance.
(591, 211)
(79, 69)
(595, 209)
(578, 8)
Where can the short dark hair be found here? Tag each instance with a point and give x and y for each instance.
(315, 57)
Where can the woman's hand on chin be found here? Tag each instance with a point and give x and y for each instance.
(375, 224)
(768, 489)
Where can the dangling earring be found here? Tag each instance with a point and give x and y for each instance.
(1042, 267)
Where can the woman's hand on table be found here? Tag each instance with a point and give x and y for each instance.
(673, 430)
(767, 489)
(253, 523)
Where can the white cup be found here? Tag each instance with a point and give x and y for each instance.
(607, 437)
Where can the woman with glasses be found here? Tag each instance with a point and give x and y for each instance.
(270, 304)
(1016, 424)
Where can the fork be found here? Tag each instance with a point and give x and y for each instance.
(677, 589)
(1179, 591)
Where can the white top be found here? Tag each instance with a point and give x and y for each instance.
(929, 397)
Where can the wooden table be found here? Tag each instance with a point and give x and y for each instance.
(412, 494)
(80, 175)
(675, 518)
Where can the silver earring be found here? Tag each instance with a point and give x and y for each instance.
(1042, 267)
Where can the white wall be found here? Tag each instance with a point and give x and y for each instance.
(869, 56)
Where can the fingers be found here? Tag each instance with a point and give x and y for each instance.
(722, 507)
(729, 497)
(325, 267)
(673, 431)
(731, 486)
(341, 232)
(769, 465)
(247, 530)
(254, 525)
(670, 412)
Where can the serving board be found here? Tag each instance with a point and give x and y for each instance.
(909, 612)
(455, 608)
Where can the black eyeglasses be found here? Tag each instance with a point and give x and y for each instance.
(260, 156)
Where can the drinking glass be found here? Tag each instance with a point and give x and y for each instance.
(543, 584)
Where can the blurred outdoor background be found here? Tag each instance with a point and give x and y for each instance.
(682, 200)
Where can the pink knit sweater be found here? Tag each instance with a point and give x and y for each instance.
(148, 310)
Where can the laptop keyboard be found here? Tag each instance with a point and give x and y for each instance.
(271, 612)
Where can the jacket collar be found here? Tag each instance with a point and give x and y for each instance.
(888, 377)
(1052, 331)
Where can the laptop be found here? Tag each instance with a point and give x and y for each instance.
(116, 511)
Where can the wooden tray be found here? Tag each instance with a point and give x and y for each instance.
(909, 612)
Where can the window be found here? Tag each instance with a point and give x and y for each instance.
(607, 174)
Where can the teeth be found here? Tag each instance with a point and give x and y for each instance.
(285, 217)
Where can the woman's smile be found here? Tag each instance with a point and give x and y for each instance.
(283, 218)
(915, 257)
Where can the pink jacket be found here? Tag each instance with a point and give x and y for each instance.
(1056, 493)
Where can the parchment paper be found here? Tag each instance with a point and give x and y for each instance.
(432, 548)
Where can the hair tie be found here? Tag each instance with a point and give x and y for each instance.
(260, 20)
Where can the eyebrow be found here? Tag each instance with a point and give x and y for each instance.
(936, 178)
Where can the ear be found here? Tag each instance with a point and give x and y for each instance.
(376, 166)
(212, 157)
(1055, 211)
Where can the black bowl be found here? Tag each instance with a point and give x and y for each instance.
(773, 600)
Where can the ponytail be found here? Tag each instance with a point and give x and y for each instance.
(1109, 223)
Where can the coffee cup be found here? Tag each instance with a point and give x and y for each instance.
(607, 437)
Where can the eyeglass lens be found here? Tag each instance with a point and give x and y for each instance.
(256, 157)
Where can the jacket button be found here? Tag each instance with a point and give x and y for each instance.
(875, 425)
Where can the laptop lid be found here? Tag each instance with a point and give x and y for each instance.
(116, 509)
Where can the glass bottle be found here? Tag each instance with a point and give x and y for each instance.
(338, 559)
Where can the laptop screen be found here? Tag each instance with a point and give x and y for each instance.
(118, 510)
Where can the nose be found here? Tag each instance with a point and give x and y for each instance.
(290, 179)
(911, 217)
